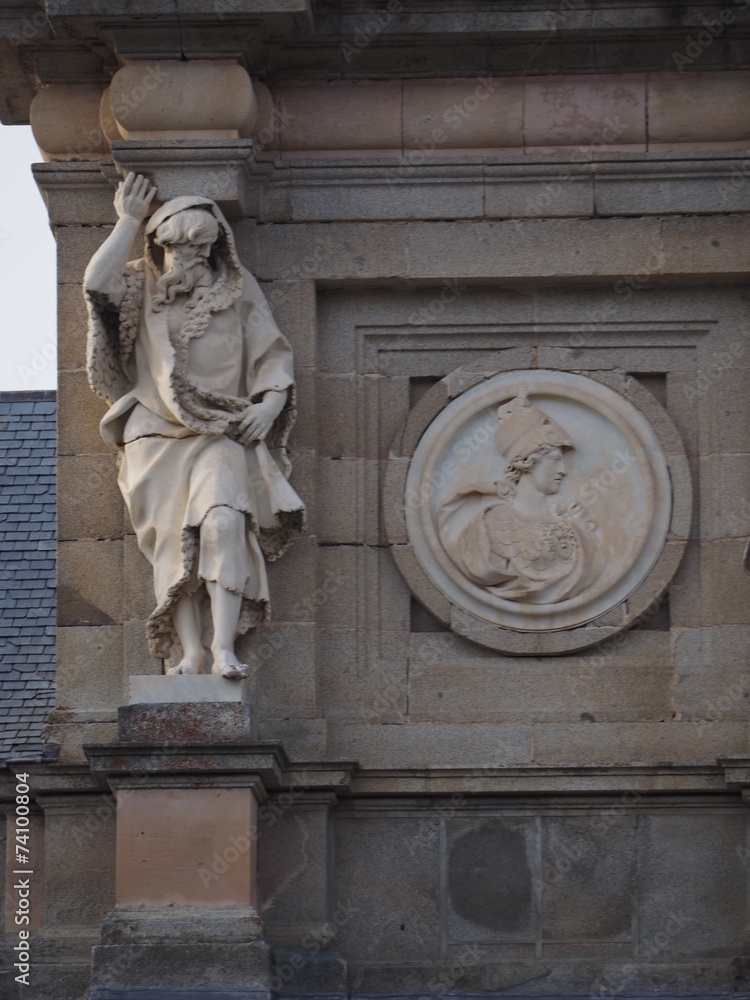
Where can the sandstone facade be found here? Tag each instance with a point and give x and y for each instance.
(428, 199)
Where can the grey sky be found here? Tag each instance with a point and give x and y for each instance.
(27, 270)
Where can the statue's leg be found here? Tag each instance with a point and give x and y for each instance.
(187, 622)
(222, 539)
(225, 611)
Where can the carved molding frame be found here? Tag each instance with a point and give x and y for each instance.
(640, 602)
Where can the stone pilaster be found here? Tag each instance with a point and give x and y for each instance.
(189, 781)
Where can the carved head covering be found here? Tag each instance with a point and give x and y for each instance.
(224, 257)
(522, 429)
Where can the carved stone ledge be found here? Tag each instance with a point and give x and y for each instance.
(456, 185)
(225, 763)
(76, 193)
(737, 772)
(574, 781)
(221, 169)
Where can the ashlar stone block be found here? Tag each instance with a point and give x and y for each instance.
(293, 304)
(168, 840)
(363, 678)
(78, 892)
(78, 414)
(638, 742)
(577, 111)
(72, 319)
(683, 108)
(712, 673)
(452, 680)
(76, 246)
(701, 913)
(90, 669)
(90, 582)
(293, 874)
(285, 658)
(425, 745)
(387, 888)
(89, 502)
(711, 585)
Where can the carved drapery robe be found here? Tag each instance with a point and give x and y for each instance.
(518, 556)
(178, 378)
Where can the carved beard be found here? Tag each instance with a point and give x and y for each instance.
(181, 278)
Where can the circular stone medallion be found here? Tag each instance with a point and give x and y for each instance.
(538, 501)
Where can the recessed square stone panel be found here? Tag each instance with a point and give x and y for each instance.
(490, 879)
(387, 889)
(580, 857)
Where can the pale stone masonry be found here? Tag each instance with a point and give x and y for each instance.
(431, 200)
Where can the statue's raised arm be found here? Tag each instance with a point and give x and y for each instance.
(104, 275)
(183, 344)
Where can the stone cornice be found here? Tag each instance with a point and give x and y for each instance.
(386, 189)
(631, 782)
(189, 764)
(297, 39)
(501, 187)
(121, 765)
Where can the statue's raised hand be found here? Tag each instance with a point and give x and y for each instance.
(133, 197)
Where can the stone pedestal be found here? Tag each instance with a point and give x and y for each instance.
(185, 920)
(190, 953)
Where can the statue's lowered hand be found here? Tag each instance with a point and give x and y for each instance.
(256, 421)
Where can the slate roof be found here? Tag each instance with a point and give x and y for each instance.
(27, 569)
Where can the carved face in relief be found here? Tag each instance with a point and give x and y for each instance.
(184, 255)
(517, 544)
(547, 472)
(192, 227)
(186, 239)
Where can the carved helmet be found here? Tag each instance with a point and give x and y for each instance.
(522, 429)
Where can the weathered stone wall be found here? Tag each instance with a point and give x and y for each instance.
(547, 824)
(376, 350)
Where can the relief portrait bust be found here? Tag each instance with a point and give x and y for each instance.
(510, 535)
(542, 509)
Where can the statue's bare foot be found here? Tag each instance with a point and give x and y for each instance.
(191, 664)
(227, 664)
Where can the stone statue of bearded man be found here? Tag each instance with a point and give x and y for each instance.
(183, 345)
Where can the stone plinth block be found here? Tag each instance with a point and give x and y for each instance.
(186, 954)
(218, 168)
(62, 962)
(172, 99)
(147, 689)
(186, 722)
